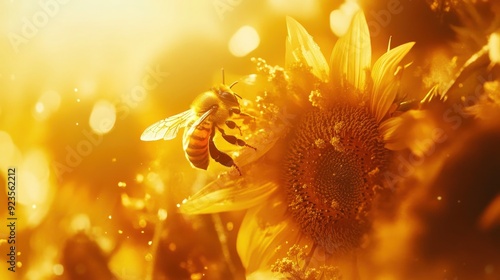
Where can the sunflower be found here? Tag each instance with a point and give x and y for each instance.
(324, 132)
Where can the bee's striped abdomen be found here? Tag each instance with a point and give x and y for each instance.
(196, 145)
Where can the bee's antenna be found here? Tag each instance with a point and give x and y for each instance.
(233, 84)
(224, 82)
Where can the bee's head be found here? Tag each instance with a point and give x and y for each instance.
(227, 96)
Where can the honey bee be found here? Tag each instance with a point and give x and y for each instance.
(209, 112)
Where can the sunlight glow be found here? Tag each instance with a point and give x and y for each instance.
(39, 107)
(295, 7)
(341, 18)
(58, 269)
(494, 44)
(103, 117)
(80, 222)
(47, 104)
(244, 41)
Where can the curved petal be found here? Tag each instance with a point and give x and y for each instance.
(412, 129)
(227, 194)
(351, 56)
(263, 140)
(384, 82)
(264, 229)
(301, 48)
(391, 130)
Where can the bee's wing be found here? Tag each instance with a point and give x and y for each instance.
(199, 121)
(167, 129)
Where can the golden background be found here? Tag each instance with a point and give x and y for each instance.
(81, 80)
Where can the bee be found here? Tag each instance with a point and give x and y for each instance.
(208, 113)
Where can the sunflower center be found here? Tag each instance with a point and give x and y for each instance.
(332, 165)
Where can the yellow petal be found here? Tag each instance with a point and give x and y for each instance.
(227, 194)
(351, 56)
(391, 130)
(264, 229)
(494, 47)
(384, 82)
(415, 130)
(263, 140)
(301, 48)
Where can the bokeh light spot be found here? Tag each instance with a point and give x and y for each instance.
(156, 182)
(172, 247)
(143, 223)
(38, 192)
(7, 149)
(39, 107)
(58, 269)
(103, 117)
(133, 203)
(340, 19)
(47, 104)
(139, 178)
(494, 44)
(244, 41)
(162, 214)
(80, 222)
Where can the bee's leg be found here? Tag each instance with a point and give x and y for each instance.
(233, 140)
(241, 116)
(234, 110)
(233, 125)
(237, 111)
(221, 157)
(246, 115)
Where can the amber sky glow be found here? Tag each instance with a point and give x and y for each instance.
(80, 80)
